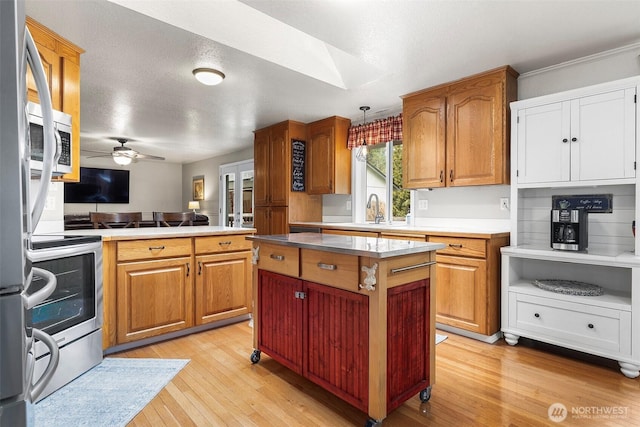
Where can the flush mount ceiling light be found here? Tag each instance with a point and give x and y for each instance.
(363, 150)
(208, 76)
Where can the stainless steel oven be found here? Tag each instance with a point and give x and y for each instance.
(72, 314)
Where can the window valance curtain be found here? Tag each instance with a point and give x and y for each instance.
(376, 132)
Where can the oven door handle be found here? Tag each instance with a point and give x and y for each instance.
(39, 296)
(54, 357)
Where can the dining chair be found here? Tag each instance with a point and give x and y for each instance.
(115, 219)
(169, 219)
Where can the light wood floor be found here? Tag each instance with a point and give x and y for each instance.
(477, 384)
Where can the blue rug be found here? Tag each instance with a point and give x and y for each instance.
(109, 395)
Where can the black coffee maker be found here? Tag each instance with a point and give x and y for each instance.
(569, 229)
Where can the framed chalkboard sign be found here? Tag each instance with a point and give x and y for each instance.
(592, 203)
(298, 148)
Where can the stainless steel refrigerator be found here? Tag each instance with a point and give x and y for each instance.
(19, 215)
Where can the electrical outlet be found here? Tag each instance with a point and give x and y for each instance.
(504, 203)
(423, 205)
(348, 206)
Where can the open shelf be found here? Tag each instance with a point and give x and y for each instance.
(618, 300)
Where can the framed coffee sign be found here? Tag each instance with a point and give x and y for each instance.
(298, 149)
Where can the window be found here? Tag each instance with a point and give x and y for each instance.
(384, 161)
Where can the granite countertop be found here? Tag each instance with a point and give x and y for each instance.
(350, 245)
(457, 227)
(109, 234)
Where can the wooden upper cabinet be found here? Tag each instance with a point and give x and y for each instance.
(272, 164)
(61, 62)
(467, 122)
(423, 133)
(261, 167)
(328, 165)
(280, 165)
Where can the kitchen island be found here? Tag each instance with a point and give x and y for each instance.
(354, 315)
(163, 282)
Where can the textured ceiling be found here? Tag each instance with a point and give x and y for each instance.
(299, 60)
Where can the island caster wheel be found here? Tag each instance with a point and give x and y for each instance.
(255, 356)
(425, 395)
(372, 423)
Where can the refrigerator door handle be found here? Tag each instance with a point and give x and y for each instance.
(54, 357)
(33, 58)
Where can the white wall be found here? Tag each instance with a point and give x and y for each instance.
(209, 168)
(154, 186)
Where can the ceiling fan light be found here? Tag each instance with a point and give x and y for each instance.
(208, 76)
(121, 160)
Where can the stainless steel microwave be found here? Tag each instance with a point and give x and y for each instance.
(62, 128)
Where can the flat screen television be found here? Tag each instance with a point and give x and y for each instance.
(98, 186)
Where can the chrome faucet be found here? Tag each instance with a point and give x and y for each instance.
(379, 217)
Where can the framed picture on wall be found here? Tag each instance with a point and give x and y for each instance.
(198, 188)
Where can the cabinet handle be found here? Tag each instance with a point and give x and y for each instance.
(331, 267)
(455, 245)
(590, 325)
(451, 175)
(441, 176)
(574, 139)
(411, 267)
(188, 268)
(277, 257)
(565, 140)
(224, 243)
(153, 248)
(199, 268)
(537, 314)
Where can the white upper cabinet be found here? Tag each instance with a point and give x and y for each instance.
(582, 138)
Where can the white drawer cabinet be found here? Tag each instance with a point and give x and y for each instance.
(600, 325)
(585, 326)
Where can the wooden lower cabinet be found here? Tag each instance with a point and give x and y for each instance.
(222, 288)
(271, 219)
(156, 286)
(322, 333)
(461, 293)
(154, 298)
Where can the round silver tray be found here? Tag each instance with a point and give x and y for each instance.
(569, 287)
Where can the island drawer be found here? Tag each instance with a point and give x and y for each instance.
(130, 250)
(279, 259)
(228, 243)
(461, 246)
(330, 268)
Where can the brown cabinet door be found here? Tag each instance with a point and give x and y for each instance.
(261, 220)
(461, 293)
(475, 142)
(279, 165)
(337, 342)
(320, 158)
(424, 141)
(261, 157)
(280, 323)
(278, 223)
(408, 345)
(154, 298)
(222, 286)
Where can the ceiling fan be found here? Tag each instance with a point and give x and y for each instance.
(124, 155)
